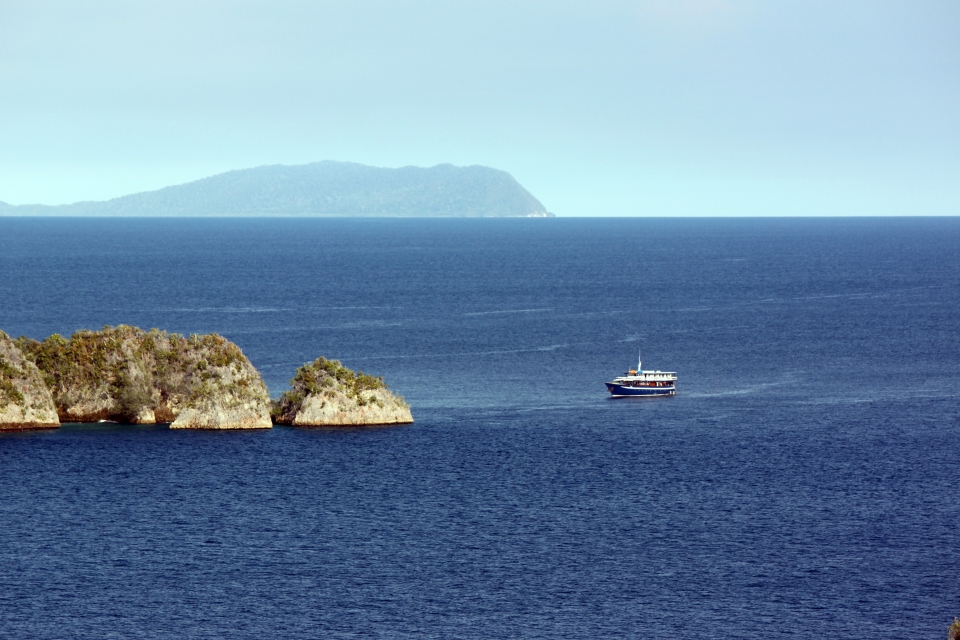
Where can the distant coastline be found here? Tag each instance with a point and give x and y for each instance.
(319, 189)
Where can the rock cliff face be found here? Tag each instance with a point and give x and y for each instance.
(25, 401)
(325, 393)
(129, 375)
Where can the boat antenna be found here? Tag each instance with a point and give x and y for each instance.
(639, 362)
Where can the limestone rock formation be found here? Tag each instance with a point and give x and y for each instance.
(129, 375)
(325, 393)
(220, 415)
(25, 401)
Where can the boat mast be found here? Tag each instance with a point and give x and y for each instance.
(639, 362)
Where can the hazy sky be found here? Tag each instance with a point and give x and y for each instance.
(607, 107)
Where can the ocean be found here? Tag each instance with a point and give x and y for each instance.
(803, 482)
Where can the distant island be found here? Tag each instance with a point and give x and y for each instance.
(322, 189)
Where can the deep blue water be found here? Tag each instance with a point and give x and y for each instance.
(803, 483)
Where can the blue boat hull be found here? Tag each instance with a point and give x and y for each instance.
(619, 391)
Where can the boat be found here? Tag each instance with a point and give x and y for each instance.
(637, 382)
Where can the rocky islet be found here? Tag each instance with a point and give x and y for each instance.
(25, 400)
(326, 393)
(126, 374)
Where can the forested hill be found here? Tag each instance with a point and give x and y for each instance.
(322, 189)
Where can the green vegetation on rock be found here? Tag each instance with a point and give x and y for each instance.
(127, 374)
(124, 373)
(324, 378)
(9, 393)
(25, 400)
(326, 393)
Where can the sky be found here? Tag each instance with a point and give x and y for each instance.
(600, 108)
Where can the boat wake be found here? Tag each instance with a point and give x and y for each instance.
(742, 391)
(504, 312)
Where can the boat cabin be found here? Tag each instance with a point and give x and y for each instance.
(635, 378)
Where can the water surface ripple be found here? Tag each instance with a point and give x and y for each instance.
(802, 483)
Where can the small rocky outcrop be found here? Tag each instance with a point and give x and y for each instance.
(25, 401)
(326, 393)
(129, 375)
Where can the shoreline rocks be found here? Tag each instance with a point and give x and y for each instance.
(218, 417)
(25, 400)
(325, 393)
(129, 375)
